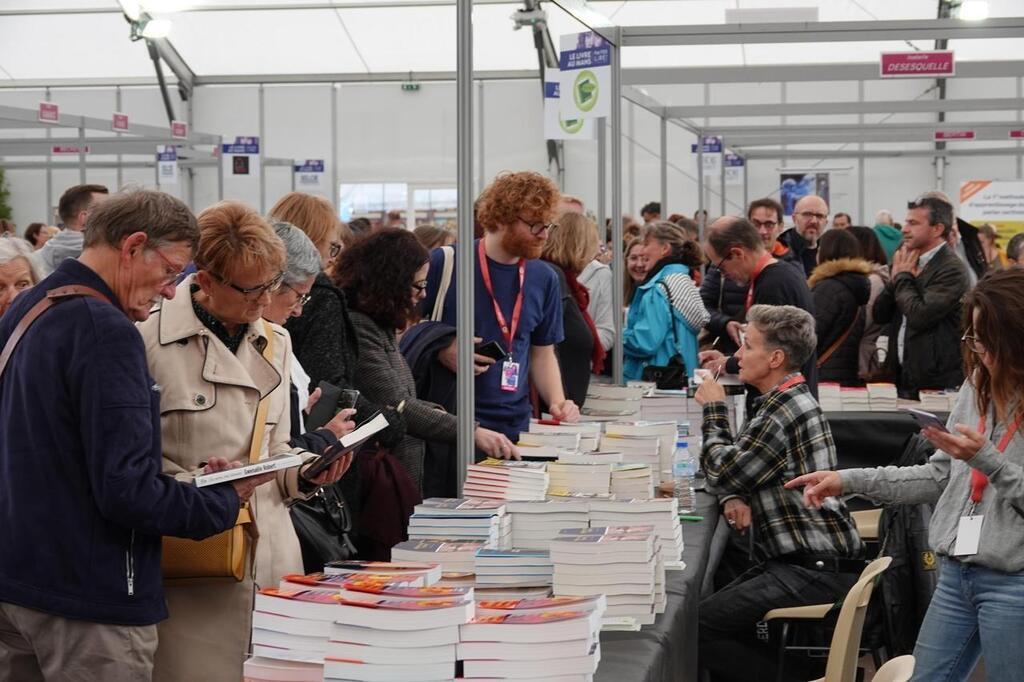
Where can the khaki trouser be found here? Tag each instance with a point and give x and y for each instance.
(40, 647)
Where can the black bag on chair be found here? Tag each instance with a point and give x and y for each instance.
(670, 377)
(322, 524)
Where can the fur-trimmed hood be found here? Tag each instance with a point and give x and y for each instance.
(832, 268)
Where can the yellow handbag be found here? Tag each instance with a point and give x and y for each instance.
(222, 555)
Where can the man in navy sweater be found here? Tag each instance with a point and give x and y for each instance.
(83, 504)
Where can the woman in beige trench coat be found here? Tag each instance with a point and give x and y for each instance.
(205, 351)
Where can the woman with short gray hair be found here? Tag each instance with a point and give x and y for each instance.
(808, 556)
(17, 271)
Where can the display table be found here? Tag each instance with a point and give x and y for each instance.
(667, 650)
(870, 439)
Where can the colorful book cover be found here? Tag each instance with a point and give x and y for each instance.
(337, 580)
(404, 591)
(457, 504)
(438, 546)
(529, 618)
(395, 605)
(511, 464)
(512, 553)
(533, 604)
(310, 596)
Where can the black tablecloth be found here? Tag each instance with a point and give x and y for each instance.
(667, 650)
(871, 439)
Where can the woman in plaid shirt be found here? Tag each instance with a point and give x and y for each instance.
(807, 556)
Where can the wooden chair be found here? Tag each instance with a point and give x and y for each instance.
(899, 669)
(845, 648)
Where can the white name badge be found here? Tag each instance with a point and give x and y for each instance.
(510, 376)
(968, 536)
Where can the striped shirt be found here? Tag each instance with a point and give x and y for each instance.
(685, 297)
(786, 436)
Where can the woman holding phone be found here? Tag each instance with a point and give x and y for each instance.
(976, 482)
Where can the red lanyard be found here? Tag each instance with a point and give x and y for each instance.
(978, 479)
(761, 265)
(791, 382)
(517, 309)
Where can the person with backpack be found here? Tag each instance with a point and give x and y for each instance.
(976, 481)
(666, 312)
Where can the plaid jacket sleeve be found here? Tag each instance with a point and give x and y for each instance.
(738, 467)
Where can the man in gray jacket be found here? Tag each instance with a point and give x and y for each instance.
(74, 207)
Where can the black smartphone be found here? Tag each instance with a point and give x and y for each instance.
(325, 408)
(491, 349)
(345, 445)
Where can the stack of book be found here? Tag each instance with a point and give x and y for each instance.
(293, 624)
(561, 440)
(632, 480)
(634, 449)
(937, 400)
(590, 432)
(591, 479)
(665, 431)
(883, 397)
(500, 479)
(611, 403)
(415, 573)
(855, 399)
(258, 669)
(503, 568)
(533, 640)
(620, 563)
(590, 458)
(661, 512)
(452, 557)
(665, 406)
(830, 396)
(442, 518)
(535, 523)
(396, 640)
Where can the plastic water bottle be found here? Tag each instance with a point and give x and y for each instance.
(684, 467)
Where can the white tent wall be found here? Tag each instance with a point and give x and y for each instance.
(386, 134)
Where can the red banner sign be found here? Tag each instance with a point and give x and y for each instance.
(48, 112)
(1017, 134)
(954, 135)
(68, 149)
(179, 130)
(119, 123)
(933, 64)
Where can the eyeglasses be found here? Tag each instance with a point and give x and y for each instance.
(420, 287)
(973, 344)
(726, 257)
(764, 224)
(256, 292)
(335, 249)
(537, 228)
(809, 214)
(303, 299)
(171, 272)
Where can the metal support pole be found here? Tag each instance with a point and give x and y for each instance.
(746, 183)
(480, 152)
(81, 156)
(465, 265)
(334, 148)
(1020, 117)
(721, 163)
(617, 255)
(190, 118)
(49, 174)
(860, 165)
(700, 182)
(220, 171)
(663, 127)
(602, 176)
(119, 181)
(263, 153)
(630, 179)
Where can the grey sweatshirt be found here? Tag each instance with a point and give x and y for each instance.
(63, 245)
(946, 482)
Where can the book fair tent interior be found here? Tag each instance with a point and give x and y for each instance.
(362, 101)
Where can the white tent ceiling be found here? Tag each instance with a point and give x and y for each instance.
(89, 38)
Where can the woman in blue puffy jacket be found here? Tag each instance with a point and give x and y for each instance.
(666, 312)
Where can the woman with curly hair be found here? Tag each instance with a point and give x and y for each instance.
(383, 277)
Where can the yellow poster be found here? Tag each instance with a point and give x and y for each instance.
(1000, 203)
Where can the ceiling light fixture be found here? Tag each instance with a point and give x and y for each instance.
(131, 8)
(974, 10)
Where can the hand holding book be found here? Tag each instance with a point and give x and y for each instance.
(244, 487)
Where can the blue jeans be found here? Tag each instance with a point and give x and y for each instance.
(976, 612)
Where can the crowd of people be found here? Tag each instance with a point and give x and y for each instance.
(184, 344)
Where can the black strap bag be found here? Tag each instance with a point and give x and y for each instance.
(323, 524)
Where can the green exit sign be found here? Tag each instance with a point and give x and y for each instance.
(410, 87)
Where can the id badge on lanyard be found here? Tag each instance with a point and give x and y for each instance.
(510, 369)
(968, 530)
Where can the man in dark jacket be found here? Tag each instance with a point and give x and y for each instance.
(923, 301)
(84, 501)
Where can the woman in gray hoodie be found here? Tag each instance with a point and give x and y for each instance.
(975, 479)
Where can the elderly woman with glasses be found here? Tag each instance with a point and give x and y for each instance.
(215, 360)
(975, 479)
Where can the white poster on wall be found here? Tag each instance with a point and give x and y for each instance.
(997, 202)
(712, 155)
(735, 167)
(309, 176)
(241, 158)
(585, 76)
(166, 165)
(556, 127)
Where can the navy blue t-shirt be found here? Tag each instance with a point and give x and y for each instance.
(540, 324)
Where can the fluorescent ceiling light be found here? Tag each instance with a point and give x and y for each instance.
(131, 8)
(156, 28)
(974, 10)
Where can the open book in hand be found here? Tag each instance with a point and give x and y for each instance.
(347, 443)
(285, 460)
